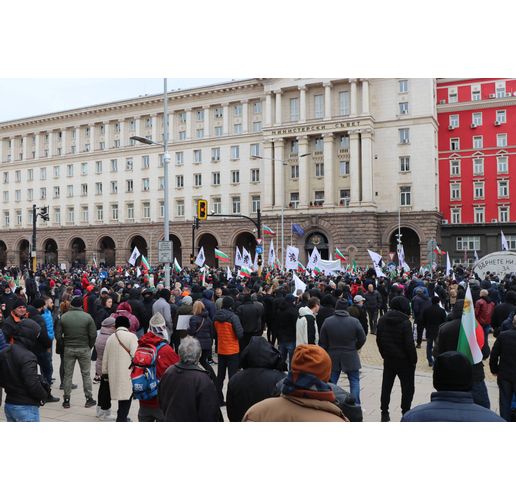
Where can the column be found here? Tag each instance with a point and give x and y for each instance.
(154, 128)
(278, 119)
(365, 97)
(50, 144)
(267, 174)
(302, 105)
(26, 147)
(77, 139)
(137, 126)
(64, 142)
(206, 121)
(268, 108)
(92, 137)
(304, 174)
(225, 119)
(279, 174)
(37, 145)
(329, 169)
(188, 123)
(107, 135)
(354, 169)
(353, 111)
(327, 101)
(245, 116)
(121, 134)
(367, 167)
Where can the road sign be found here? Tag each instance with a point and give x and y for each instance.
(165, 252)
(391, 255)
(259, 241)
(259, 249)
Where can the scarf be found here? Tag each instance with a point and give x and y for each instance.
(307, 386)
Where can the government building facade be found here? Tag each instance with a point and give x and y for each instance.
(346, 160)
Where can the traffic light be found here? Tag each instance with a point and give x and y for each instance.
(202, 209)
(43, 213)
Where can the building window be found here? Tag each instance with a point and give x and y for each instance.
(180, 157)
(19, 217)
(161, 161)
(162, 209)
(237, 110)
(501, 140)
(100, 213)
(255, 150)
(405, 200)
(343, 168)
(197, 156)
(30, 174)
(255, 204)
(84, 189)
(319, 197)
(294, 200)
(219, 112)
(454, 144)
(257, 126)
(180, 208)
(146, 210)
(454, 168)
(116, 143)
(478, 190)
(6, 196)
(218, 131)
(318, 144)
(17, 194)
(130, 211)
(145, 161)
(30, 195)
(57, 192)
(468, 243)
(182, 135)
(57, 172)
(455, 215)
(129, 164)
(217, 205)
(237, 128)
(478, 142)
(114, 211)
(6, 177)
(500, 89)
(199, 115)
(199, 133)
(235, 176)
(404, 135)
(403, 86)
(452, 95)
(102, 145)
(197, 180)
(57, 215)
(478, 166)
(114, 165)
(215, 178)
(404, 163)
(319, 169)
(114, 187)
(255, 175)
(511, 242)
(129, 186)
(503, 189)
(294, 109)
(98, 167)
(475, 93)
(70, 215)
(69, 191)
(403, 108)
(503, 214)
(161, 183)
(43, 193)
(476, 119)
(235, 204)
(455, 191)
(145, 184)
(344, 197)
(344, 103)
(257, 107)
(43, 174)
(235, 152)
(84, 169)
(502, 164)
(7, 218)
(501, 116)
(479, 215)
(182, 117)
(319, 105)
(294, 171)
(84, 214)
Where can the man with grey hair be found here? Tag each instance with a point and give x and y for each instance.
(186, 391)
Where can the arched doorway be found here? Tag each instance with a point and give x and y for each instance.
(78, 252)
(107, 251)
(248, 241)
(209, 243)
(24, 253)
(410, 242)
(139, 241)
(51, 253)
(3, 254)
(318, 240)
(176, 248)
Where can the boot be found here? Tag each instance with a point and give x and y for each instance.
(105, 416)
(385, 417)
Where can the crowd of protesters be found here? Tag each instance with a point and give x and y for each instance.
(281, 351)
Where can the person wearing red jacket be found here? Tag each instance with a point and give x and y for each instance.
(150, 410)
(125, 309)
(484, 308)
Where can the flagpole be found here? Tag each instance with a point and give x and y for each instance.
(282, 233)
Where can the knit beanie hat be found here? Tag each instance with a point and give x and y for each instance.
(158, 326)
(77, 301)
(38, 302)
(452, 372)
(187, 300)
(311, 359)
(18, 303)
(109, 322)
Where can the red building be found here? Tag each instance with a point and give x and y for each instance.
(477, 143)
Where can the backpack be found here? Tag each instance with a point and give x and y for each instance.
(143, 374)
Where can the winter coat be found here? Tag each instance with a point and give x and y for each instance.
(250, 314)
(284, 322)
(306, 327)
(163, 307)
(207, 300)
(125, 309)
(187, 394)
(77, 329)
(262, 370)
(341, 336)
(502, 361)
(147, 304)
(431, 319)
(484, 311)
(228, 330)
(453, 292)
(419, 304)
(101, 314)
(324, 312)
(373, 300)
(49, 323)
(100, 345)
(451, 406)
(36, 316)
(500, 314)
(293, 409)
(201, 328)
(183, 310)
(360, 313)
(116, 363)
(394, 337)
(12, 326)
(3, 341)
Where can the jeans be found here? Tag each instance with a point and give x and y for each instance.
(429, 347)
(419, 329)
(486, 333)
(480, 396)
(506, 389)
(45, 364)
(372, 314)
(147, 414)
(83, 356)
(123, 410)
(354, 382)
(203, 361)
(287, 349)
(405, 371)
(232, 363)
(21, 413)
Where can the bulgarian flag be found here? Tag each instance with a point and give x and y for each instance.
(438, 251)
(354, 265)
(268, 230)
(245, 272)
(277, 264)
(339, 255)
(316, 270)
(221, 256)
(145, 264)
(177, 267)
(471, 334)
(300, 267)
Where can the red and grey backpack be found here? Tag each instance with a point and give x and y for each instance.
(143, 374)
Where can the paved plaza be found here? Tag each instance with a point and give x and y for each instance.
(370, 382)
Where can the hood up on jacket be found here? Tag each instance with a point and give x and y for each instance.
(27, 334)
(149, 339)
(261, 354)
(305, 311)
(400, 304)
(125, 306)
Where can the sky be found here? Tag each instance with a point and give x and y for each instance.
(24, 97)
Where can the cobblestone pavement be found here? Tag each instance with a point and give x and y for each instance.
(370, 383)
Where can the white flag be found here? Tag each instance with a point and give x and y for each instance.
(406, 267)
(401, 255)
(238, 257)
(440, 304)
(272, 254)
(255, 263)
(229, 276)
(505, 245)
(298, 284)
(246, 258)
(136, 253)
(378, 271)
(314, 259)
(138, 272)
(291, 257)
(476, 256)
(376, 258)
(448, 264)
(200, 257)
(204, 277)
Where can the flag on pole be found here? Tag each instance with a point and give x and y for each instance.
(354, 265)
(201, 258)
(255, 262)
(272, 255)
(299, 284)
(476, 256)
(471, 334)
(401, 255)
(448, 265)
(138, 272)
(378, 271)
(246, 258)
(292, 257)
(376, 258)
(221, 256)
(229, 276)
(314, 259)
(268, 230)
(238, 258)
(300, 267)
(505, 245)
(244, 272)
(339, 255)
(94, 261)
(438, 251)
(136, 253)
(204, 276)
(277, 264)
(177, 267)
(296, 228)
(145, 264)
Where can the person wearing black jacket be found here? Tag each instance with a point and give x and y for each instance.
(396, 345)
(250, 314)
(447, 340)
(503, 364)
(284, 327)
(148, 301)
(503, 311)
(136, 304)
(25, 389)
(326, 310)
(431, 319)
(262, 368)
(105, 310)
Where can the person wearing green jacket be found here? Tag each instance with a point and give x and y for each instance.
(77, 334)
